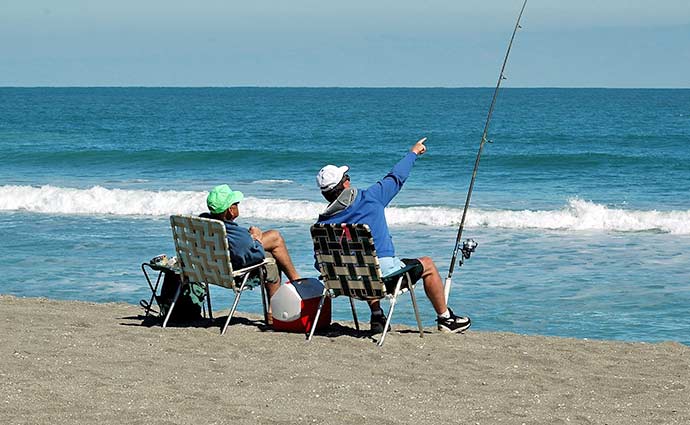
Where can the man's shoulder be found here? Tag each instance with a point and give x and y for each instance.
(232, 225)
(372, 194)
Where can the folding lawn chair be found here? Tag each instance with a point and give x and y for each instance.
(204, 257)
(349, 266)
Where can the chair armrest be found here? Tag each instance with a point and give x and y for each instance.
(404, 270)
(245, 270)
(391, 281)
(396, 274)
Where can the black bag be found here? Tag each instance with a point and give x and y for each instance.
(189, 304)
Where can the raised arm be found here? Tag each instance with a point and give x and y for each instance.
(386, 189)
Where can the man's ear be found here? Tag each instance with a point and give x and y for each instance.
(346, 184)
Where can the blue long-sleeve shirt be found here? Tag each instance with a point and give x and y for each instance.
(244, 250)
(368, 207)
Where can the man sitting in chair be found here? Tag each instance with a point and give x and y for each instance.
(249, 246)
(349, 205)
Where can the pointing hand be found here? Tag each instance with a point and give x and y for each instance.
(419, 147)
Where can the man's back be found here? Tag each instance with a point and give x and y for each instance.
(244, 250)
(369, 205)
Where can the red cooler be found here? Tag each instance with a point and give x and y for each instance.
(294, 306)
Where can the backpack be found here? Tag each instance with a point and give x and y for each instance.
(189, 304)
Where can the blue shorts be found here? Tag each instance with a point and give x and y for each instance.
(393, 264)
(390, 265)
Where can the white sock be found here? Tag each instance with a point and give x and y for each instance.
(445, 315)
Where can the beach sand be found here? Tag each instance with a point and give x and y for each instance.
(75, 362)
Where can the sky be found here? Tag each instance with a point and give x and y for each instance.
(353, 43)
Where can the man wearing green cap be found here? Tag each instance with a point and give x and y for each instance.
(249, 246)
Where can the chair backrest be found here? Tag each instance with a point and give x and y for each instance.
(202, 250)
(347, 259)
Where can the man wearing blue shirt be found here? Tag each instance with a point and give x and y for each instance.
(349, 205)
(249, 246)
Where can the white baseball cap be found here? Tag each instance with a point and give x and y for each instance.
(330, 176)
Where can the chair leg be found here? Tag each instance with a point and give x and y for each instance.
(264, 303)
(390, 312)
(318, 314)
(234, 307)
(208, 301)
(354, 313)
(264, 296)
(153, 295)
(416, 310)
(172, 305)
(388, 321)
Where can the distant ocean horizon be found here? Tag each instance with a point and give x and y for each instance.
(349, 87)
(581, 206)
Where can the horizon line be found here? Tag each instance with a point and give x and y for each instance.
(334, 87)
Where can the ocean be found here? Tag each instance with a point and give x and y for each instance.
(581, 207)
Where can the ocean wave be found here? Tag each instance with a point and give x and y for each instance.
(577, 215)
(273, 181)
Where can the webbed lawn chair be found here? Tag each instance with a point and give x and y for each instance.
(204, 257)
(349, 266)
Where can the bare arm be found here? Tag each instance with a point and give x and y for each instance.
(256, 233)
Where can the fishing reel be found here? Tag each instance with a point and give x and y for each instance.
(468, 247)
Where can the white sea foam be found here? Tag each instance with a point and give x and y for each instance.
(273, 181)
(576, 216)
(99, 200)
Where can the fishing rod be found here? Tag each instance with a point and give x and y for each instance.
(470, 245)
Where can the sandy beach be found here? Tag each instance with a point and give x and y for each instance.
(76, 362)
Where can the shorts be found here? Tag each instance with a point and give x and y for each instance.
(392, 264)
(272, 272)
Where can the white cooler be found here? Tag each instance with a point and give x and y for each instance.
(294, 305)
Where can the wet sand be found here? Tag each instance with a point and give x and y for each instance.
(75, 362)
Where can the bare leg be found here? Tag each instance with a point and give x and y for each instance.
(433, 285)
(272, 288)
(375, 305)
(274, 243)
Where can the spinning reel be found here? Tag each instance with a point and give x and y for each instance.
(468, 247)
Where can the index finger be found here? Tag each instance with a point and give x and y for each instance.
(422, 140)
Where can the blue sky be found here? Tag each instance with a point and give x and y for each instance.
(448, 43)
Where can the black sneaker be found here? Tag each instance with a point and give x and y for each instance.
(378, 322)
(453, 324)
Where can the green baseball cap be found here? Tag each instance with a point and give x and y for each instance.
(221, 197)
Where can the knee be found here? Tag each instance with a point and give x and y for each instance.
(428, 263)
(279, 238)
(275, 237)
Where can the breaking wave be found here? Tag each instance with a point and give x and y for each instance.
(273, 181)
(577, 215)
